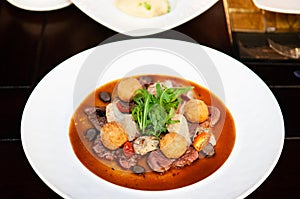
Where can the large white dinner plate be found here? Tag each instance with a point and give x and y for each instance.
(40, 5)
(286, 6)
(105, 12)
(257, 115)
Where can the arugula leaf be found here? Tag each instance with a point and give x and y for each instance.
(152, 113)
(158, 118)
(159, 90)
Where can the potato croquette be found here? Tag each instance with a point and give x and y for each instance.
(196, 111)
(127, 87)
(113, 135)
(173, 145)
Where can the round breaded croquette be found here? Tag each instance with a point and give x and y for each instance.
(113, 136)
(196, 111)
(127, 87)
(173, 145)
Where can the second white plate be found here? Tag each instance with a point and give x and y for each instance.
(105, 12)
(40, 5)
(286, 6)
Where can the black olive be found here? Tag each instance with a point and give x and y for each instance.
(100, 113)
(91, 134)
(208, 151)
(138, 169)
(105, 96)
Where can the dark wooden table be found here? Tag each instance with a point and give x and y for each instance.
(32, 43)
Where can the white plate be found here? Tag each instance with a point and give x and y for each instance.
(257, 116)
(105, 12)
(286, 6)
(40, 5)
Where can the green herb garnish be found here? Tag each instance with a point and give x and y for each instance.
(147, 5)
(169, 7)
(152, 113)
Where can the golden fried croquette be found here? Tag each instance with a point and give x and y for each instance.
(196, 111)
(113, 135)
(173, 145)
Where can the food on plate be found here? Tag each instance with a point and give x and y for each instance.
(173, 145)
(144, 8)
(113, 136)
(144, 144)
(180, 127)
(113, 114)
(152, 132)
(201, 141)
(127, 88)
(196, 110)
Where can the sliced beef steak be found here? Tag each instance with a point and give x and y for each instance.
(187, 159)
(158, 162)
(127, 162)
(102, 151)
(96, 115)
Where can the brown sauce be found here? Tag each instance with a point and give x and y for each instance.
(174, 178)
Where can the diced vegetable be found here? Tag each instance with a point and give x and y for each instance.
(128, 149)
(201, 140)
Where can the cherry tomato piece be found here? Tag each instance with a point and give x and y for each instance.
(128, 149)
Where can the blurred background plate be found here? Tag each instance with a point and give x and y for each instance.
(106, 13)
(286, 6)
(40, 5)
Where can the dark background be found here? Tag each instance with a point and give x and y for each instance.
(33, 43)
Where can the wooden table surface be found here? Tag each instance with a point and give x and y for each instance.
(33, 43)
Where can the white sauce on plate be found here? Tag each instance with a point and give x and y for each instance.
(144, 8)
